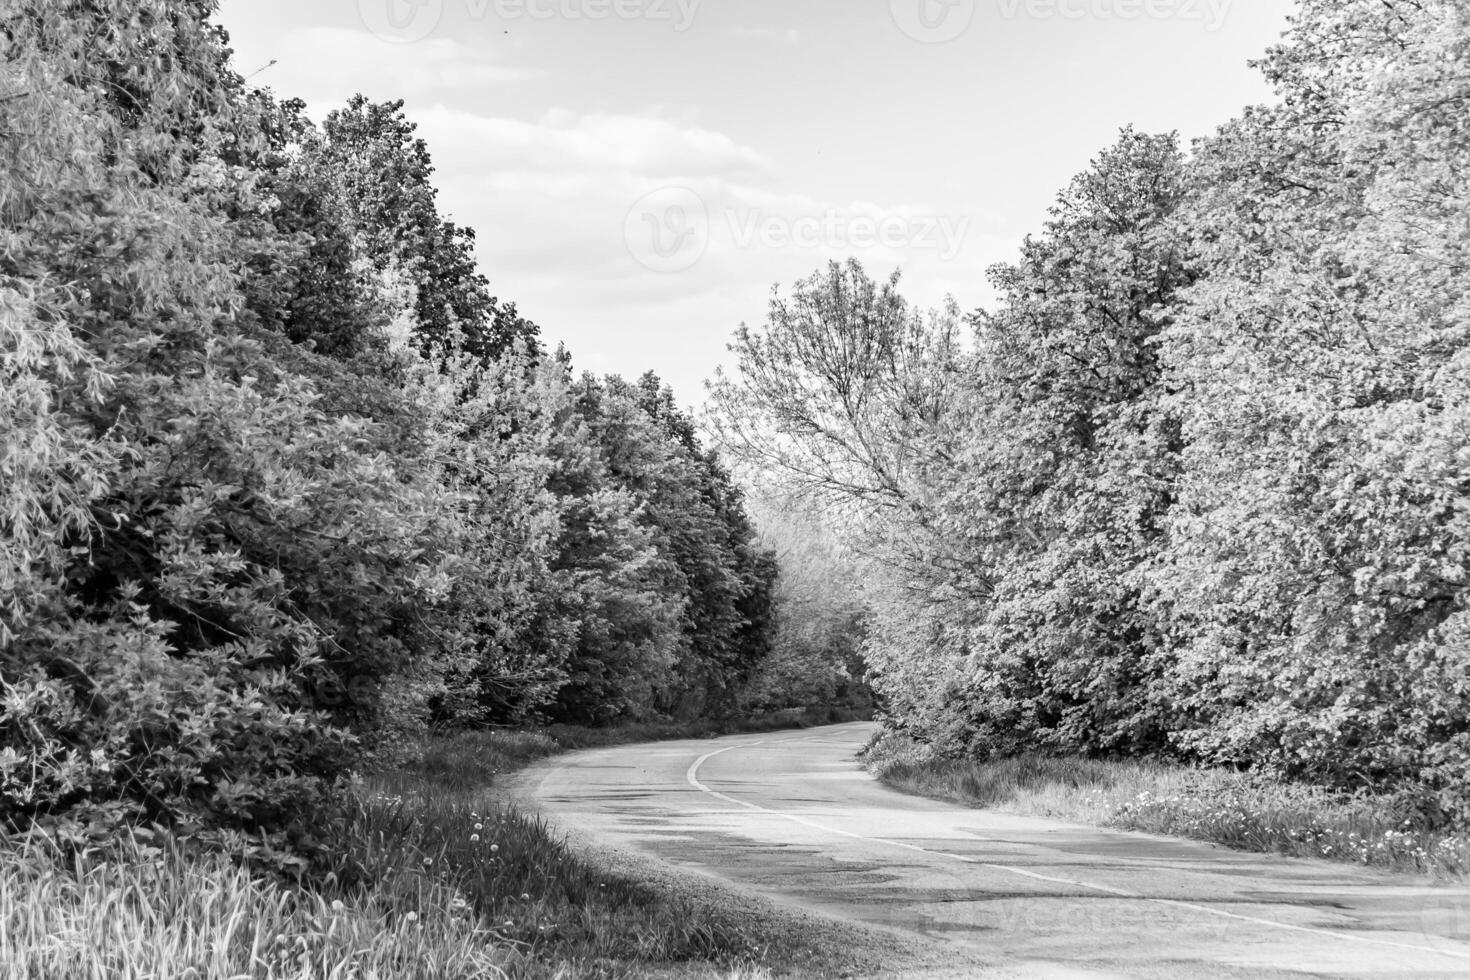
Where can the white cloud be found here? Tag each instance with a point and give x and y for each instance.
(563, 142)
(332, 62)
(550, 199)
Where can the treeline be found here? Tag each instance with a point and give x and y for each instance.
(282, 483)
(1198, 484)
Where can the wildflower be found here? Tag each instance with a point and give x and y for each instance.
(337, 905)
(428, 861)
(494, 848)
(474, 837)
(411, 917)
(479, 826)
(525, 897)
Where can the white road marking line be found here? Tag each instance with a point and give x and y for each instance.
(692, 777)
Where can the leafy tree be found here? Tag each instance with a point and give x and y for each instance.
(1315, 578)
(212, 551)
(849, 397)
(307, 280)
(842, 391)
(661, 597)
(728, 577)
(818, 611)
(112, 239)
(615, 604)
(1069, 464)
(380, 173)
(279, 479)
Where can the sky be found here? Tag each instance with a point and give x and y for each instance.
(642, 173)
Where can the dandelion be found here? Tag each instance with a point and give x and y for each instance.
(494, 848)
(411, 917)
(474, 837)
(525, 897)
(337, 905)
(428, 861)
(479, 826)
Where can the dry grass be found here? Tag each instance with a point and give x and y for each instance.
(1237, 810)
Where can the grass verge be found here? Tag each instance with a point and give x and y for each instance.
(1238, 810)
(436, 878)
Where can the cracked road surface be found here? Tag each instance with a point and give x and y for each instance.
(792, 816)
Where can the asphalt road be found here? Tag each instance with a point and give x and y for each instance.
(794, 817)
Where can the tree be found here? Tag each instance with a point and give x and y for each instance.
(214, 551)
(850, 398)
(1069, 463)
(1315, 577)
(380, 173)
(818, 612)
(616, 603)
(842, 391)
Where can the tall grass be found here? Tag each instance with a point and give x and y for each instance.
(136, 911)
(435, 878)
(1238, 810)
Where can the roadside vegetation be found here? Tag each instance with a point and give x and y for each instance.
(434, 875)
(284, 487)
(1241, 810)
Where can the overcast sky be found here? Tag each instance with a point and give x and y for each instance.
(641, 172)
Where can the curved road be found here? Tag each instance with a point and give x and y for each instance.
(793, 816)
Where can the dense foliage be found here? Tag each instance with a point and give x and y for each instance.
(281, 482)
(819, 616)
(1197, 483)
